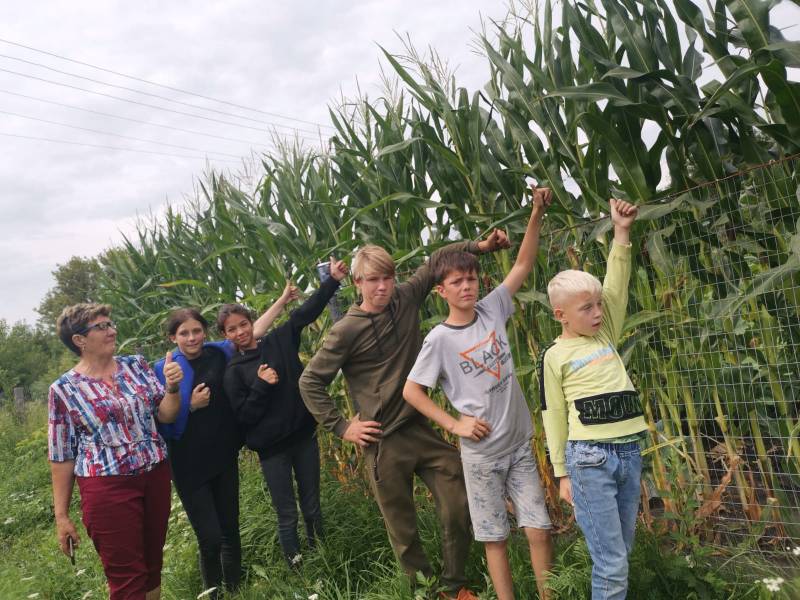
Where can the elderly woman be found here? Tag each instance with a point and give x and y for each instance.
(102, 432)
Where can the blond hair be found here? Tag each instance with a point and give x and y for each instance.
(74, 320)
(372, 260)
(569, 283)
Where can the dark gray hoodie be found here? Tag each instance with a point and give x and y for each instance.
(375, 351)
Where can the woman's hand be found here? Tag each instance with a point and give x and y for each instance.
(268, 374)
(173, 374)
(66, 528)
(201, 396)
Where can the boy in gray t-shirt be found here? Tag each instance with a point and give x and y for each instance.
(470, 355)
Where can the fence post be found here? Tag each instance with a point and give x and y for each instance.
(19, 400)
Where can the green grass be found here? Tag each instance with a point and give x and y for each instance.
(355, 561)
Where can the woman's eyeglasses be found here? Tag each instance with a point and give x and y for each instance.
(104, 326)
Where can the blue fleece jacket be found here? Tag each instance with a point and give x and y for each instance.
(175, 430)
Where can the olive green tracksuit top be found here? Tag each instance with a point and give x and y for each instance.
(375, 352)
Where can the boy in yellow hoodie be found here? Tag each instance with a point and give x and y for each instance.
(592, 413)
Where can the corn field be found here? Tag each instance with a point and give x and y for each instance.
(686, 110)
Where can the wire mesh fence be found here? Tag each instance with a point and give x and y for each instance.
(718, 368)
(711, 342)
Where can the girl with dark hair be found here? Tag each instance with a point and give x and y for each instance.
(204, 443)
(262, 385)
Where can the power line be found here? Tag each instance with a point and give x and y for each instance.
(166, 99)
(104, 147)
(166, 87)
(179, 112)
(113, 116)
(119, 135)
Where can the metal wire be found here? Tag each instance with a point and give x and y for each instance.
(712, 346)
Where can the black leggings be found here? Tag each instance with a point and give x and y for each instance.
(213, 511)
(302, 457)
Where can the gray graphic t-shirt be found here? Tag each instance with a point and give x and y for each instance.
(474, 365)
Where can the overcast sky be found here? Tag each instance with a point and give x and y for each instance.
(286, 58)
(291, 59)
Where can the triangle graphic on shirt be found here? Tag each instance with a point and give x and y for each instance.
(485, 355)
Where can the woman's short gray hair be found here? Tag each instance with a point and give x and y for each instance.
(74, 320)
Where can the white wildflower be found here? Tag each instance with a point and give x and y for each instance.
(80, 572)
(796, 551)
(297, 559)
(689, 560)
(773, 583)
(9, 521)
(313, 597)
(207, 592)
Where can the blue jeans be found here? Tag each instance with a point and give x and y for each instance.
(605, 491)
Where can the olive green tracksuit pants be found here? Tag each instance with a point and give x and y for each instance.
(392, 463)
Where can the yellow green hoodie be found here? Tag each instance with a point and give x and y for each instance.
(585, 392)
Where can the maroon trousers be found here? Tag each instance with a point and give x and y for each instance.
(126, 518)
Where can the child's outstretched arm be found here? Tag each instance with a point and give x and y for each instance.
(530, 243)
(265, 321)
(421, 282)
(623, 214)
(466, 426)
(618, 270)
(312, 308)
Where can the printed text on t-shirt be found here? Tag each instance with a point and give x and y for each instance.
(487, 356)
(603, 354)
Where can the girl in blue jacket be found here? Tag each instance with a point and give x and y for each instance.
(204, 443)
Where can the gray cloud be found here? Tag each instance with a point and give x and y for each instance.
(289, 58)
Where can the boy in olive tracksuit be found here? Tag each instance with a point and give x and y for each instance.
(592, 413)
(375, 345)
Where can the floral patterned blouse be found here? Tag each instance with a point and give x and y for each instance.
(107, 429)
